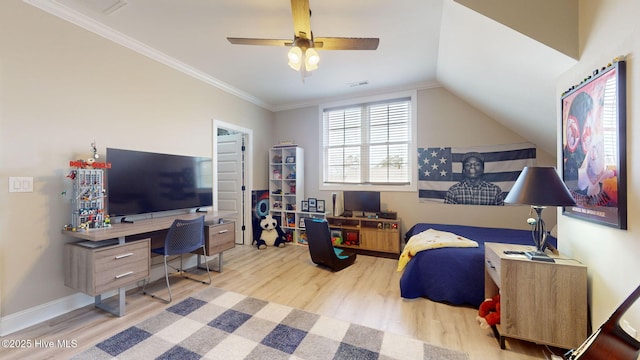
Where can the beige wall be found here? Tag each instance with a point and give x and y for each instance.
(609, 28)
(61, 88)
(559, 29)
(443, 120)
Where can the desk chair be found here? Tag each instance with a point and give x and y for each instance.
(321, 248)
(184, 236)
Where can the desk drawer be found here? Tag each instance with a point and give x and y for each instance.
(121, 265)
(95, 271)
(219, 237)
(492, 264)
(121, 255)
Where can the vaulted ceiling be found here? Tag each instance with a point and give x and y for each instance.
(501, 56)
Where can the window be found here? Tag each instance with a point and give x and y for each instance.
(369, 143)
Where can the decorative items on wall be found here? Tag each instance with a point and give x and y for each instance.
(442, 175)
(594, 146)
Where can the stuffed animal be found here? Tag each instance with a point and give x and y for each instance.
(269, 233)
(489, 312)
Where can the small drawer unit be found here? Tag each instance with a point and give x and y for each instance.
(542, 302)
(95, 271)
(219, 237)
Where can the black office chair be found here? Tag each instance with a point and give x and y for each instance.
(184, 236)
(321, 248)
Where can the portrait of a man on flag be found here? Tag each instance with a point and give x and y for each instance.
(472, 175)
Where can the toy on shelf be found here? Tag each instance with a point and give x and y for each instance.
(302, 239)
(291, 220)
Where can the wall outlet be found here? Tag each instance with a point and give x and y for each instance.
(21, 184)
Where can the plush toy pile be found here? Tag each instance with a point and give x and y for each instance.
(269, 234)
(489, 312)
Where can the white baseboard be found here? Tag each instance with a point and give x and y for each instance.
(37, 314)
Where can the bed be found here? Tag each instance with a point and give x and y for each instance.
(455, 275)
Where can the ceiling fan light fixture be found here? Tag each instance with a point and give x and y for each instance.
(295, 58)
(311, 59)
(302, 55)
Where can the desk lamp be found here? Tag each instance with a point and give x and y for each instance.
(539, 187)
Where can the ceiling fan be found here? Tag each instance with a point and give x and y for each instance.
(302, 55)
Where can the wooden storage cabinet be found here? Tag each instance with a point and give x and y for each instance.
(95, 271)
(378, 235)
(380, 240)
(542, 302)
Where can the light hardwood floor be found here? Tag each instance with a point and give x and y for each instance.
(366, 293)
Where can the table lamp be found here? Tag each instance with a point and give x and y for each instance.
(539, 187)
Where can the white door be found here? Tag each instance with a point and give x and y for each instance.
(230, 178)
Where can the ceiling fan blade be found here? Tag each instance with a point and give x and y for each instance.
(337, 43)
(301, 18)
(266, 42)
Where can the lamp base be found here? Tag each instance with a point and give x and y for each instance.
(538, 256)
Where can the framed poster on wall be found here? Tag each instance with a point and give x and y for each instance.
(594, 147)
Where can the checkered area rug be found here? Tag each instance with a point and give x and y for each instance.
(219, 324)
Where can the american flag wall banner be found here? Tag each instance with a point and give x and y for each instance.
(440, 168)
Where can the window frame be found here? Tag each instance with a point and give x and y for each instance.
(412, 168)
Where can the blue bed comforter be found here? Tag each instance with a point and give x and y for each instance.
(455, 275)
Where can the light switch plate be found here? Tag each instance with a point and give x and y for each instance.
(21, 184)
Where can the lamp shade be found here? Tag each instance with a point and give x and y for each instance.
(540, 186)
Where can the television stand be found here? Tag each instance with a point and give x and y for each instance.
(367, 234)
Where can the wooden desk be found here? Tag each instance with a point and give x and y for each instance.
(542, 302)
(95, 271)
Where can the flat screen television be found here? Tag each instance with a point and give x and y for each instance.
(359, 203)
(141, 182)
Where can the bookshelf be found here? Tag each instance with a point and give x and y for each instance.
(286, 190)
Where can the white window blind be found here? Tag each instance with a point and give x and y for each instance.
(368, 143)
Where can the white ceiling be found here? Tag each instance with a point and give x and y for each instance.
(423, 43)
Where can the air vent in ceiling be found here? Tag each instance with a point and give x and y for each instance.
(358, 83)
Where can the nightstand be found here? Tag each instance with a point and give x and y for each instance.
(542, 302)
